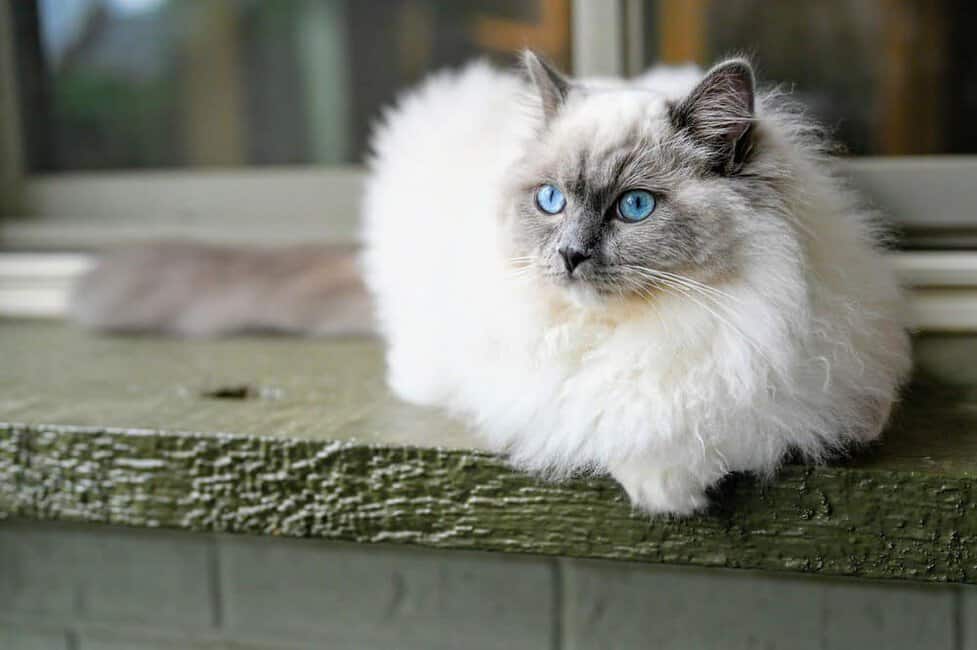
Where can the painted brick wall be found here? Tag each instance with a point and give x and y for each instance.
(102, 588)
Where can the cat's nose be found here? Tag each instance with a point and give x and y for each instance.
(573, 257)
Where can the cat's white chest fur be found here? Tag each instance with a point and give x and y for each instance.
(797, 344)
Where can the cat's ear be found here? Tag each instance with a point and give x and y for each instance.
(718, 113)
(550, 84)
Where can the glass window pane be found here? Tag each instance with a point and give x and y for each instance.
(121, 84)
(888, 78)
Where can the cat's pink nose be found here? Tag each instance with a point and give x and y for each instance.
(573, 257)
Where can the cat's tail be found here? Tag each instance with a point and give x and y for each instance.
(190, 289)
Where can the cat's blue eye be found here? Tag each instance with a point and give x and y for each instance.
(550, 200)
(636, 205)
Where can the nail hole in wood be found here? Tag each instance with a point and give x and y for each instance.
(238, 392)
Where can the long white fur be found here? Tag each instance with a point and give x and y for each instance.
(804, 348)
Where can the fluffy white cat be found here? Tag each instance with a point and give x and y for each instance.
(660, 278)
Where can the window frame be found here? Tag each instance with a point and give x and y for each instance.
(932, 198)
(11, 146)
(273, 205)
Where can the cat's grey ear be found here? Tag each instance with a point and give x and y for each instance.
(719, 113)
(551, 85)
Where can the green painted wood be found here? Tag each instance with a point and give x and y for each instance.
(300, 438)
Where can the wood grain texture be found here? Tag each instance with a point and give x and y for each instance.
(310, 444)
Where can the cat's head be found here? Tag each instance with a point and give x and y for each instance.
(623, 184)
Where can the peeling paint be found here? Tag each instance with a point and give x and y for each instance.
(832, 521)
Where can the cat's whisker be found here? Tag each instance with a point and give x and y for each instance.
(685, 279)
(716, 298)
(521, 267)
(522, 259)
(523, 272)
(688, 291)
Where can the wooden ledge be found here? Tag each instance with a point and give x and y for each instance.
(300, 438)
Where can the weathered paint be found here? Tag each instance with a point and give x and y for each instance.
(845, 521)
(365, 468)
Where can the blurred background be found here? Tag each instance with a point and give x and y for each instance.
(121, 84)
(247, 121)
(146, 84)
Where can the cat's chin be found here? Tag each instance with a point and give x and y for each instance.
(583, 295)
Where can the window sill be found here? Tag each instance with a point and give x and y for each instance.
(942, 286)
(300, 438)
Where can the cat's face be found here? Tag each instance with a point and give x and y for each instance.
(622, 189)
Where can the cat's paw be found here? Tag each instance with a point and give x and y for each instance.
(657, 491)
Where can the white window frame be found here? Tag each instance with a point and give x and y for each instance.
(80, 212)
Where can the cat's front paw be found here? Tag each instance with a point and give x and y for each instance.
(657, 491)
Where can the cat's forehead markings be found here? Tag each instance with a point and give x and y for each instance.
(605, 139)
(596, 166)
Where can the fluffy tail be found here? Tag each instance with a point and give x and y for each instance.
(200, 290)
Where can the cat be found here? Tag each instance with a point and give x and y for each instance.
(662, 279)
